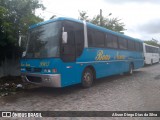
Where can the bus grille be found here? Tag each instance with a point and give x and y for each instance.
(34, 79)
(37, 69)
(29, 69)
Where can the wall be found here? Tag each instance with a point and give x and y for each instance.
(10, 67)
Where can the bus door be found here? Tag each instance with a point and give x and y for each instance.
(68, 54)
(71, 48)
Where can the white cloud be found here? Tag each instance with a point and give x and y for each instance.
(135, 15)
(132, 1)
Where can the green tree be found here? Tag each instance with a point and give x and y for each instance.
(83, 16)
(15, 18)
(113, 24)
(153, 42)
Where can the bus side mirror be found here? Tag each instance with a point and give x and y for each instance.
(24, 54)
(20, 41)
(64, 37)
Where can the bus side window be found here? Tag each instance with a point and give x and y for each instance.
(79, 37)
(122, 43)
(140, 47)
(137, 46)
(90, 38)
(131, 45)
(75, 37)
(149, 49)
(68, 49)
(115, 42)
(108, 41)
(69, 28)
(111, 41)
(99, 39)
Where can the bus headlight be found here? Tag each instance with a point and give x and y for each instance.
(23, 69)
(47, 70)
(54, 70)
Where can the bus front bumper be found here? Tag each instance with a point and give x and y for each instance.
(47, 80)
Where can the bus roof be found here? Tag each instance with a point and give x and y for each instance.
(150, 45)
(88, 24)
(53, 20)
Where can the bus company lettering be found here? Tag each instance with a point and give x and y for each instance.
(25, 65)
(44, 64)
(119, 57)
(101, 56)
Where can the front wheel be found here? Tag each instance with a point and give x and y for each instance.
(87, 78)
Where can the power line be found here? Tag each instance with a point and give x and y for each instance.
(55, 13)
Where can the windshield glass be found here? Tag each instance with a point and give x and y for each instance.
(44, 41)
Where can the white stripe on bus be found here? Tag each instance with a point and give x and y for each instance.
(110, 61)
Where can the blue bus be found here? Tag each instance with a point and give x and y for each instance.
(65, 51)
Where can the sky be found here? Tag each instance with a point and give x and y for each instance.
(141, 17)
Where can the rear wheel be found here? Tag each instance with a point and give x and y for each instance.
(151, 62)
(130, 72)
(87, 78)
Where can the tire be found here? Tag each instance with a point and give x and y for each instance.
(87, 78)
(130, 72)
(151, 62)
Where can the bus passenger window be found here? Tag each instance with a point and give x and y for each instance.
(111, 41)
(90, 38)
(108, 41)
(115, 42)
(122, 43)
(141, 47)
(79, 37)
(99, 39)
(131, 45)
(137, 46)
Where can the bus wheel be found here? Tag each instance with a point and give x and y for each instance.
(130, 72)
(87, 78)
(151, 62)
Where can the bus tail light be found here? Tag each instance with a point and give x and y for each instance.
(54, 70)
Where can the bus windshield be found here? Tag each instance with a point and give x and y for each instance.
(43, 41)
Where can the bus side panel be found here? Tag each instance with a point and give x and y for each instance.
(139, 61)
(102, 66)
(71, 73)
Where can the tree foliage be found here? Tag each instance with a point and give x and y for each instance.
(113, 24)
(153, 42)
(83, 16)
(15, 18)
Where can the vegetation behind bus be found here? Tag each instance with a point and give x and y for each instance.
(113, 24)
(15, 18)
(153, 42)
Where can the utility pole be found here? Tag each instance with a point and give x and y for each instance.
(100, 17)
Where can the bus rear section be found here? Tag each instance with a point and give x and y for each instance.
(151, 54)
